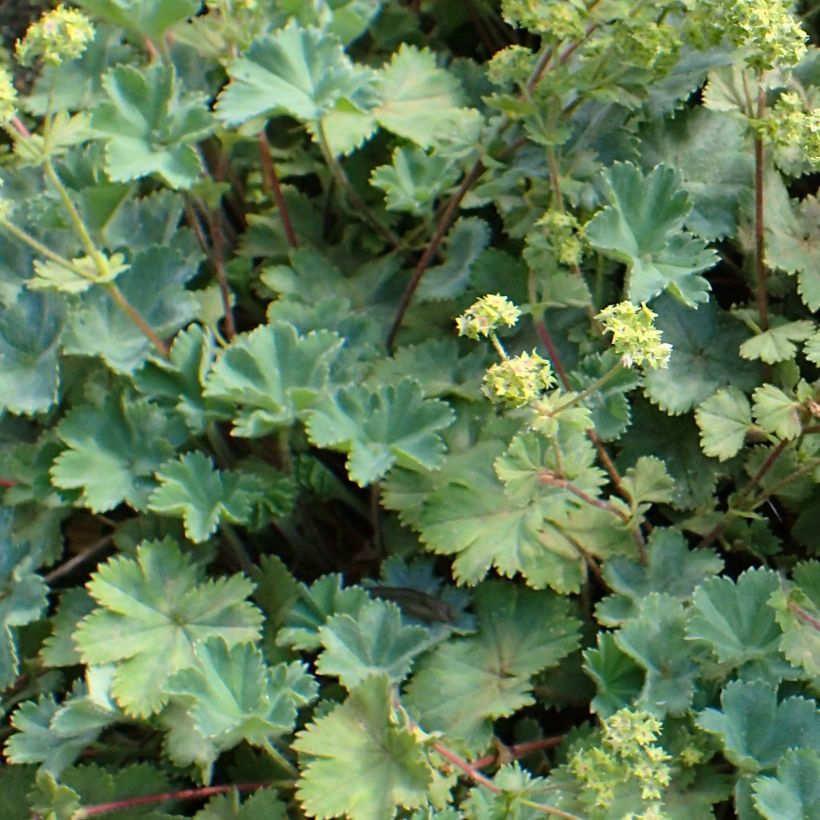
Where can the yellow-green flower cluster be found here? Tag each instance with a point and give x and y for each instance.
(627, 753)
(564, 235)
(59, 35)
(789, 125)
(556, 19)
(486, 315)
(518, 381)
(8, 97)
(634, 336)
(768, 31)
(510, 65)
(649, 45)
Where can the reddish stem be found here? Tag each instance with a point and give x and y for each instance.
(444, 223)
(518, 751)
(218, 259)
(184, 794)
(7, 482)
(271, 181)
(804, 616)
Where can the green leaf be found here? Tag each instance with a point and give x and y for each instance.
(158, 599)
(58, 648)
(30, 330)
(712, 152)
(704, 357)
(192, 489)
(466, 683)
(272, 374)
(35, 741)
(375, 641)
(793, 243)
(303, 73)
(775, 412)
(380, 428)
(416, 96)
(50, 275)
(358, 762)
(232, 695)
(113, 451)
(22, 597)
(154, 286)
(151, 18)
(16, 782)
(671, 568)
(777, 344)
(149, 128)
(797, 612)
(413, 180)
(618, 678)
(642, 227)
(724, 419)
(314, 606)
(461, 249)
(794, 794)
(755, 731)
(648, 483)
(180, 377)
(733, 620)
(675, 442)
(262, 805)
(656, 640)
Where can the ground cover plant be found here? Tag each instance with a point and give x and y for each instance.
(410, 410)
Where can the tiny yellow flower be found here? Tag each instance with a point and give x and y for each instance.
(59, 35)
(486, 315)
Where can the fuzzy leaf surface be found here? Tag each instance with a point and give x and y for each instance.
(113, 451)
(272, 374)
(755, 730)
(724, 419)
(380, 428)
(643, 227)
(149, 128)
(374, 642)
(232, 694)
(159, 599)
(794, 792)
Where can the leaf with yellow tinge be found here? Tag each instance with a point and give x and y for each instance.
(357, 762)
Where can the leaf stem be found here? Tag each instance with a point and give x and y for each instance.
(592, 388)
(352, 194)
(164, 797)
(218, 260)
(551, 480)
(804, 616)
(476, 776)
(518, 751)
(767, 465)
(270, 181)
(78, 559)
(760, 226)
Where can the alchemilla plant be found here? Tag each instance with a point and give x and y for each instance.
(410, 409)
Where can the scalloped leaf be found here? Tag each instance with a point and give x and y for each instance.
(794, 793)
(373, 642)
(358, 762)
(151, 18)
(272, 374)
(778, 343)
(724, 420)
(468, 682)
(113, 451)
(158, 599)
(755, 730)
(643, 228)
(30, 331)
(656, 640)
(704, 357)
(413, 180)
(393, 424)
(233, 696)
(775, 412)
(149, 128)
(733, 620)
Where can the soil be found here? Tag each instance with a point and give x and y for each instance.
(15, 16)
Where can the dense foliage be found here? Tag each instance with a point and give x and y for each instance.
(410, 410)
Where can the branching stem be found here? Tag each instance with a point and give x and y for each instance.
(760, 225)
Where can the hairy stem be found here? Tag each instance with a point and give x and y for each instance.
(551, 480)
(519, 750)
(270, 180)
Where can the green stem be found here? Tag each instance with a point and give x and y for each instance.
(282, 761)
(34, 244)
(499, 348)
(588, 391)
